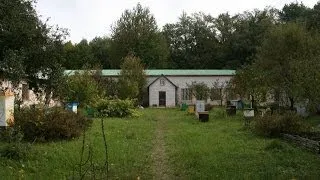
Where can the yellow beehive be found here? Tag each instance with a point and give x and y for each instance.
(191, 109)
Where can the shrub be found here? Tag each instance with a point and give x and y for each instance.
(219, 113)
(209, 107)
(15, 151)
(12, 146)
(50, 124)
(80, 87)
(275, 145)
(115, 108)
(273, 125)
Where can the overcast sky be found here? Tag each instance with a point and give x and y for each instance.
(91, 18)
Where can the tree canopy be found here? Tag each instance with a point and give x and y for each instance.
(137, 33)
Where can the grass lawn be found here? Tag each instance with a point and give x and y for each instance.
(169, 143)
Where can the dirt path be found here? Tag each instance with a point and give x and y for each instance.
(160, 159)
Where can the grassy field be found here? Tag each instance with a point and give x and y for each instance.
(171, 144)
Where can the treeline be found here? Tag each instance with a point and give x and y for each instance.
(196, 41)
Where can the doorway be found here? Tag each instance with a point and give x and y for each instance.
(162, 98)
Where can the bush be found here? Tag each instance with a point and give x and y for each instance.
(209, 107)
(80, 87)
(115, 108)
(12, 146)
(15, 151)
(50, 124)
(219, 113)
(274, 125)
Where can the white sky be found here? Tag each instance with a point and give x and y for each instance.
(91, 18)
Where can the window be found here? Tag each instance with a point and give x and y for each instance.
(162, 82)
(185, 94)
(25, 92)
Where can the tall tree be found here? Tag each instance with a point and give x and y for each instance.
(33, 46)
(100, 47)
(137, 33)
(294, 12)
(132, 80)
(192, 41)
(285, 65)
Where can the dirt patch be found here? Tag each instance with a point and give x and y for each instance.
(160, 159)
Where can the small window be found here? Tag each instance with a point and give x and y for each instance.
(185, 94)
(162, 82)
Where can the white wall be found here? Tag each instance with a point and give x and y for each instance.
(33, 98)
(182, 81)
(168, 88)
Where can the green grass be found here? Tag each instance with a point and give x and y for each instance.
(223, 149)
(314, 121)
(129, 141)
(218, 149)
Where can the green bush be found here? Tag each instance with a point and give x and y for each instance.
(12, 146)
(50, 124)
(219, 113)
(209, 107)
(274, 125)
(15, 151)
(115, 108)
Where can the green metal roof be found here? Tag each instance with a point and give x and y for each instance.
(170, 72)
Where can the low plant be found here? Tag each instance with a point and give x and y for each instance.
(12, 145)
(275, 124)
(15, 150)
(50, 124)
(209, 107)
(115, 108)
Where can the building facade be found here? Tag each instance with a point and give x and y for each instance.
(165, 87)
(169, 87)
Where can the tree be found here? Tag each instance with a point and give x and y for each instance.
(200, 90)
(136, 33)
(294, 12)
(132, 80)
(80, 55)
(80, 87)
(285, 65)
(30, 49)
(192, 42)
(218, 91)
(100, 47)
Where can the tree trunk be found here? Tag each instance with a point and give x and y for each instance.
(291, 103)
(47, 98)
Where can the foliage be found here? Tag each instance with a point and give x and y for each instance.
(209, 107)
(218, 90)
(285, 66)
(200, 41)
(106, 86)
(84, 53)
(30, 49)
(136, 33)
(132, 80)
(50, 124)
(15, 151)
(13, 146)
(192, 42)
(200, 90)
(80, 87)
(115, 108)
(272, 125)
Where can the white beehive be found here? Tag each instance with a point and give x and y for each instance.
(6, 108)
